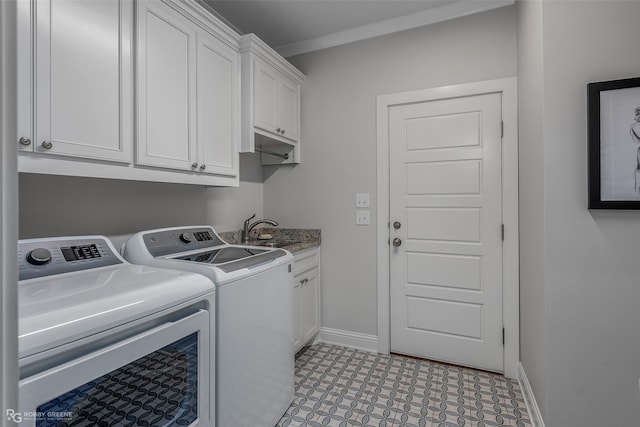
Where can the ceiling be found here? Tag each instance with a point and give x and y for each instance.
(298, 26)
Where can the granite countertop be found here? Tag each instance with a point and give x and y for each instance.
(292, 239)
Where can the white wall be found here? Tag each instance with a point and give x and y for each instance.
(533, 338)
(591, 270)
(339, 141)
(58, 205)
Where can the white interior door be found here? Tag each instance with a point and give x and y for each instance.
(446, 195)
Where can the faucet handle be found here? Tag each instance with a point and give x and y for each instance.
(249, 219)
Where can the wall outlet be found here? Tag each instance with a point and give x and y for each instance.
(362, 200)
(362, 218)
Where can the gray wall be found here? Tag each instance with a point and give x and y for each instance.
(339, 141)
(591, 269)
(533, 338)
(59, 205)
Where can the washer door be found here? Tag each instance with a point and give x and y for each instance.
(159, 377)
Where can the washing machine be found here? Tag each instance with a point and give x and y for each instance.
(254, 317)
(104, 342)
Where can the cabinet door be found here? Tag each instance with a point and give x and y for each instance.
(289, 109)
(83, 74)
(166, 88)
(218, 106)
(265, 96)
(309, 306)
(297, 343)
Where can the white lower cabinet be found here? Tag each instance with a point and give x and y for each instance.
(306, 268)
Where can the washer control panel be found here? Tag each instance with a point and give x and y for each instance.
(46, 257)
(174, 241)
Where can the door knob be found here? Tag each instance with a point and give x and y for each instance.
(396, 242)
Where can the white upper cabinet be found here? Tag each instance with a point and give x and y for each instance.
(188, 94)
(76, 86)
(82, 93)
(166, 88)
(276, 102)
(288, 108)
(270, 103)
(218, 106)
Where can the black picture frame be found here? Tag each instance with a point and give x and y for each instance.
(613, 165)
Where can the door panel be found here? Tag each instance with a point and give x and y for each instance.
(83, 84)
(447, 224)
(452, 271)
(446, 277)
(166, 64)
(265, 108)
(444, 131)
(444, 317)
(218, 95)
(459, 177)
(288, 108)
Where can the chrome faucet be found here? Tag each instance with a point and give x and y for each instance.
(248, 227)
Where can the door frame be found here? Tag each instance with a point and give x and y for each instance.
(510, 249)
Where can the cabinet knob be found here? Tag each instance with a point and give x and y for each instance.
(282, 131)
(279, 130)
(194, 165)
(396, 242)
(25, 141)
(203, 167)
(47, 145)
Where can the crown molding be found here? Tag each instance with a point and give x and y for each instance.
(393, 25)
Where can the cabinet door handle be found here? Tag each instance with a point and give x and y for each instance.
(278, 130)
(24, 141)
(283, 131)
(194, 165)
(203, 167)
(47, 145)
(303, 281)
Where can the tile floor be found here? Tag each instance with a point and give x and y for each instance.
(338, 386)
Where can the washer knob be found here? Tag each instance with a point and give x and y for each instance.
(187, 237)
(39, 256)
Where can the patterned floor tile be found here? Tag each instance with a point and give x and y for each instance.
(342, 387)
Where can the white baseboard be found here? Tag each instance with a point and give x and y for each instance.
(349, 339)
(529, 398)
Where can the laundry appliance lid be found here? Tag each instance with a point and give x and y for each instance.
(61, 308)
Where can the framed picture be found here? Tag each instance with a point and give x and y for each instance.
(614, 144)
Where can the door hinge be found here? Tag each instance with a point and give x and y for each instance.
(502, 231)
(502, 129)
(502, 336)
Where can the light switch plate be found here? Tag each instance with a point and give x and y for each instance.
(362, 217)
(362, 200)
